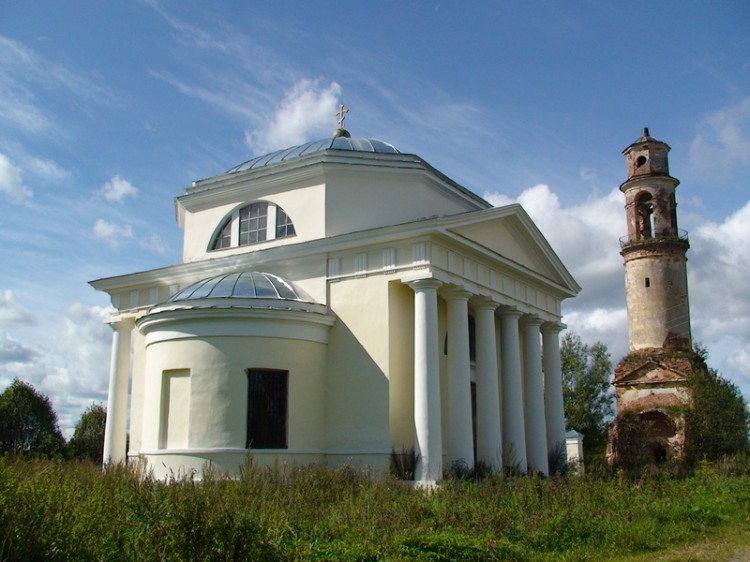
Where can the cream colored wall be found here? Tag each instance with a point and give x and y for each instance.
(136, 392)
(357, 384)
(305, 205)
(401, 365)
(358, 201)
(218, 388)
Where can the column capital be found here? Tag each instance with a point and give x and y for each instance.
(122, 323)
(510, 312)
(452, 293)
(552, 327)
(531, 320)
(427, 283)
(484, 303)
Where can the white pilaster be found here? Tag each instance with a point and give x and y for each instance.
(115, 431)
(460, 436)
(533, 396)
(427, 420)
(514, 432)
(553, 393)
(489, 436)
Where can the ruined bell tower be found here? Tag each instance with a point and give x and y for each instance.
(654, 251)
(651, 381)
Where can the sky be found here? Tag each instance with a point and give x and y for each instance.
(108, 110)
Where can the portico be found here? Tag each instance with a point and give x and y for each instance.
(517, 418)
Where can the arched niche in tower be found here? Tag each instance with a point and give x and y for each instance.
(644, 209)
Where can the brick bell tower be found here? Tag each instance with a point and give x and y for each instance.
(651, 381)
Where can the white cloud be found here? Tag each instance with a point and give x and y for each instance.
(70, 365)
(46, 169)
(11, 311)
(724, 138)
(111, 233)
(719, 271)
(585, 236)
(13, 351)
(307, 109)
(20, 69)
(739, 361)
(154, 243)
(11, 182)
(117, 189)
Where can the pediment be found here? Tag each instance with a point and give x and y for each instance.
(650, 371)
(509, 232)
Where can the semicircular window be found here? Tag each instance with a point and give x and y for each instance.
(257, 222)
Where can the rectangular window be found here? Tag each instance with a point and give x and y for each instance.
(267, 403)
(253, 223)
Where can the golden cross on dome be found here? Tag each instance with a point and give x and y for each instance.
(341, 114)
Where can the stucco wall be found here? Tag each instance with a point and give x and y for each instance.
(217, 415)
(357, 382)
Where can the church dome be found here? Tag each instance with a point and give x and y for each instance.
(339, 142)
(243, 285)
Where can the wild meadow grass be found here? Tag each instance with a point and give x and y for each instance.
(74, 511)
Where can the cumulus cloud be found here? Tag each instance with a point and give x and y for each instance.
(111, 233)
(719, 272)
(11, 182)
(307, 109)
(585, 237)
(70, 364)
(13, 351)
(12, 313)
(724, 138)
(117, 189)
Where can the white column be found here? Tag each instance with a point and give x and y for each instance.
(489, 436)
(460, 435)
(427, 421)
(533, 396)
(553, 393)
(115, 432)
(514, 432)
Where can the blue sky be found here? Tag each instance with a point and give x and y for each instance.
(108, 110)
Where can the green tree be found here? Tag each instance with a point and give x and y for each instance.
(717, 422)
(587, 393)
(88, 439)
(28, 424)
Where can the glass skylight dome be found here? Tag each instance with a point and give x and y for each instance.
(243, 285)
(357, 144)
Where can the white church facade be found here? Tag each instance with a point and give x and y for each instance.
(337, 301)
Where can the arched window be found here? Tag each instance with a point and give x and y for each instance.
(257, 222)
(224, 238)
(644, 209)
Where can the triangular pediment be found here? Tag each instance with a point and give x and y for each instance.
(650, 371)
(509, 232)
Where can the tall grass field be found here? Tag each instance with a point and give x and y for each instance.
(75, 511)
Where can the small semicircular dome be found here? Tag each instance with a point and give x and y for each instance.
(243, 285)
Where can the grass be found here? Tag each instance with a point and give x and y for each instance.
(74, 511)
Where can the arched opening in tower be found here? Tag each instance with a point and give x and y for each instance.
(644, 207)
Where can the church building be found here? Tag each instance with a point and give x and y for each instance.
(338, 301)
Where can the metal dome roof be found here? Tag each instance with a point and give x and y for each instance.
(357, 144)
(243, 285)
